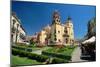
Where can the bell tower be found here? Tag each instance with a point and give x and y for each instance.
(56, 29)
(69, 32)
(56, 17)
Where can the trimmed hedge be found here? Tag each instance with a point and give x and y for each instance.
(22, 48)
(40, 58)
(19, 52)
(19, 47)
(67, 57)
(29, 49)
(58, 60)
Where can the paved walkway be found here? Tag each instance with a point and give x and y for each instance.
(37, 52)
(76, 55)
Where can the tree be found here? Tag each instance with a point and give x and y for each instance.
(32, 42)
(91, 28)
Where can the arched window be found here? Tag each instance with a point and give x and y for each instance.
(66, 40)
(66, 31)
(55, 39)
(14, 21)
(58, 31)
(59, 40)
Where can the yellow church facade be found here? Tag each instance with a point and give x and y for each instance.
(57, 33)
(69, 32)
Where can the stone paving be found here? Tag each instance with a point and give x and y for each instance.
(76, 55)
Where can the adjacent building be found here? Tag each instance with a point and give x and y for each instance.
(17, 31)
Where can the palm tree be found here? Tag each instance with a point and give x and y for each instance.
(91, 27)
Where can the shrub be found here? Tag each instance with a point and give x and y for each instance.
(23, 54)
(32, 46)
(29, 50)
(19, 47)
(18, 52)
(14, 51)
(58, 60)
(22, 48)
(40, 58)
(67, 57)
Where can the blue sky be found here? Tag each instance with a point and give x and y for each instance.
(35, 15)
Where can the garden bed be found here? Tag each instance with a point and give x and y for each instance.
(40, 58)
(16, 60)
(43, 59)
(25, 48)
(64, 53)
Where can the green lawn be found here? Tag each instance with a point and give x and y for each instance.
(65, 50)
(16, 60)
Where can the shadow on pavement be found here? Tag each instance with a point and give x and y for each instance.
(89, 58)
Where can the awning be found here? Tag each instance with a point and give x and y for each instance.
(91, 40)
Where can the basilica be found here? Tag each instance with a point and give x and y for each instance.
(56, 33)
